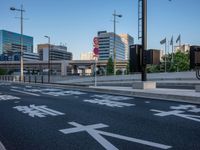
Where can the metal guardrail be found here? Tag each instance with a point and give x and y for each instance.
(27, 79)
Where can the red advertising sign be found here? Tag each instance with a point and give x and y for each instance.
(96, 46)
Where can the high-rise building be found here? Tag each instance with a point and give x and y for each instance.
(57, 52)
(87, 56)
(10, 42)
(127, 40)
(106, 45)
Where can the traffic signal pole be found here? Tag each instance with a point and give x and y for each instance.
(144, 39)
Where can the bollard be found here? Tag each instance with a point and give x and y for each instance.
(42, 79)
(29, 78)
(35, 79)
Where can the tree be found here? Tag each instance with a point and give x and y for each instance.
(2, 71)
(110, 67)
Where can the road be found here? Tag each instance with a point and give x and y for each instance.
(44, 118)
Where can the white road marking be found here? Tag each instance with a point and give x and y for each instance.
(15, 87)
(38, 111)
(195, 110)
(2, 147)
(108, 103)
(189, 108)
(28, 86)
(33, 94)
(111, 97)
(184, 107)
(109, 100)
(97, 135)
(147, 102)
(177, 113)
(7, 97)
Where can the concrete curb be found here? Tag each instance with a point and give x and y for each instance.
(141, 94)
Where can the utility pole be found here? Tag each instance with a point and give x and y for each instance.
(49, 51)
(114, 47)
(21, 42)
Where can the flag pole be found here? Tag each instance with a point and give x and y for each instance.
(165, 55)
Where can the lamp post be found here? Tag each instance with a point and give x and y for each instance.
(21, 41)
(114, 48)
(48, 37)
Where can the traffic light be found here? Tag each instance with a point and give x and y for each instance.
(194, 57)
(135, 58)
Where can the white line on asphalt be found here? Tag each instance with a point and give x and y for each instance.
(33, 94)
(97, 135)
(2, 147)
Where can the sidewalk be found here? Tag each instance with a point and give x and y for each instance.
(181, 95)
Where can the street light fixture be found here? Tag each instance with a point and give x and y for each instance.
(48, 37)
(21, 41)
(114, 48)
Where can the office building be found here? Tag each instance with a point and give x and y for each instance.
(106, 45)
(87, 56)
(153, 56)
(10, 42)
(16, 56)
(183, 48)
(127, 40)
(57, 52)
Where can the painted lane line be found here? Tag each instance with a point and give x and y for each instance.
(33, 94)
(144, 142)
(97, 135)
(2, 147)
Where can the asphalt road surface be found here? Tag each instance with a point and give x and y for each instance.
(43, 118)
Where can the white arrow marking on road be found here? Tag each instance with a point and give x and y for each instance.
(33, 94)
(96, 134)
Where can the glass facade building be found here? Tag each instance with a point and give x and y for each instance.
(10, 42)
(106, 45)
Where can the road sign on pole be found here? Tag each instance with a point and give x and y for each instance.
(96, 46)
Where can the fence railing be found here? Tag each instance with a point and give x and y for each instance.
(30, 79)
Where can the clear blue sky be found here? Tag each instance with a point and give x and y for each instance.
(76, 22)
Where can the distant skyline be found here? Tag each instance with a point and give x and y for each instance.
(76, 22)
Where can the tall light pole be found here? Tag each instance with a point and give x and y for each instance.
(21, 41)
(144, 36)
(49, 46)
(114, 47)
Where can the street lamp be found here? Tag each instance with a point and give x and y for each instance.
(21, 41)
(48, 37)
(114, 48)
